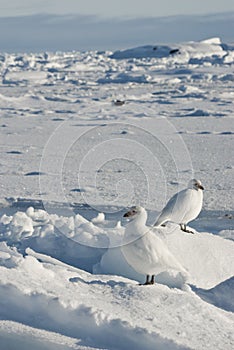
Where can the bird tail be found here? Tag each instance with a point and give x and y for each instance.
(160, 221)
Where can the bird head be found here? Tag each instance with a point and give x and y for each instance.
(195, 184)
(134, 212)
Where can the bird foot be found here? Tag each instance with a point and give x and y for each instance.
(149, 281)
(188, 231)
(146, 284)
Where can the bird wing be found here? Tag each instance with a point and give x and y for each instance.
(176, 208)
(140, 255)
(161, 255)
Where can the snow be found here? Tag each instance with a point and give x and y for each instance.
(18, 336)
(99, 218)
(188, 51)
(72, 161)
(107, 306)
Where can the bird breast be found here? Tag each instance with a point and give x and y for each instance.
(194, 206)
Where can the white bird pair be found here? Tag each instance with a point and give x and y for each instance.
(143, 249)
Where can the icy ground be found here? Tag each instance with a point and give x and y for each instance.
(83, 136)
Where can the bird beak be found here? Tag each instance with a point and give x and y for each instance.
(201, 187)
(127, 215)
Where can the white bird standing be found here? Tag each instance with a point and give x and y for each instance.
(184, 206)
(144, 251)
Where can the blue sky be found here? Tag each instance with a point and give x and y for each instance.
(34, 25)
(117, 8)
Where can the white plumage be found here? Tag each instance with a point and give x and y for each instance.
(144, 251)
(184, 206)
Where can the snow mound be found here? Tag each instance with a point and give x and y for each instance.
(207, 258)
(191, 52)
(16, 336)
(43, 293)
(99, 218)
(73, 240)
(146, 51)
(78, 242)
(220, 296)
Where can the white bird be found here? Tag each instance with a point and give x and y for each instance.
(184, 206)
(144, 251)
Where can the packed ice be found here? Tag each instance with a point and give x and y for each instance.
(85, 137)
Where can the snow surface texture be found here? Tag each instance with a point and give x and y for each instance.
(72, 160)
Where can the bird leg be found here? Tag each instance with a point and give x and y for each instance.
(148, 281)
(183, 228)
